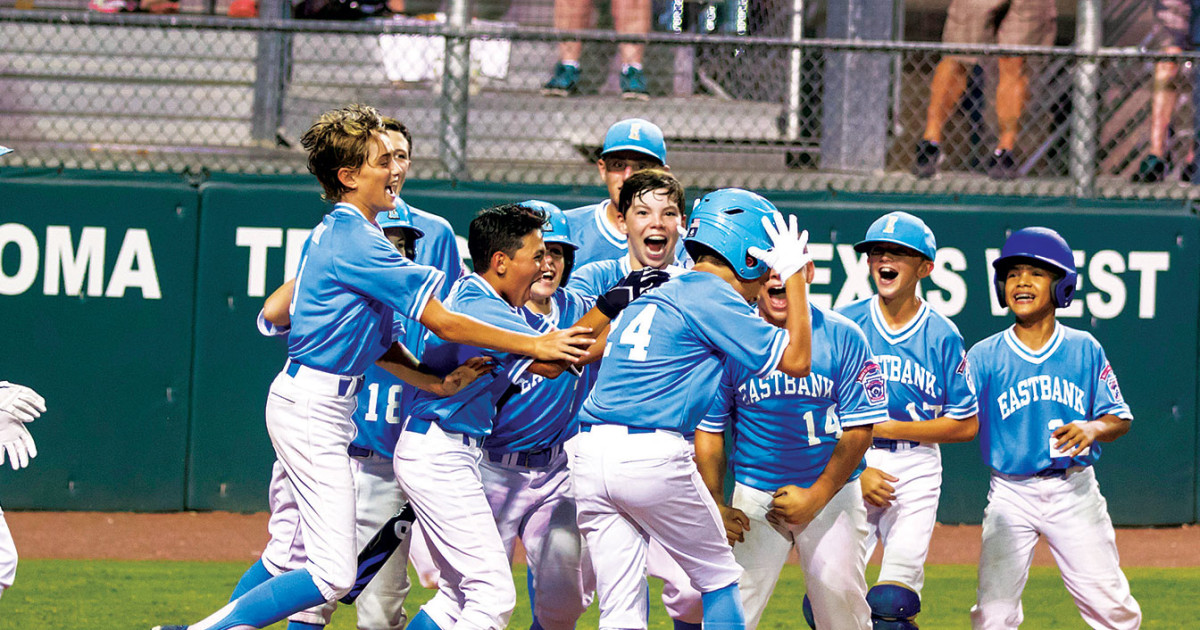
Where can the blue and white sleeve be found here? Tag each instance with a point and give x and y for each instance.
(861, 388)
(960, 401)
(499, 314)
(1108, 398)
(267, 329)
(720, 415)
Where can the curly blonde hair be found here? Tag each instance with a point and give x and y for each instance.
(340, 138)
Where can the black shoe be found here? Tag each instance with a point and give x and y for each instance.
(1152, 170)
(1002, 165)
(926, 163)
(1187, 174)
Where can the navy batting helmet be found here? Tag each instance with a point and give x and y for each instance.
(729, 221)
(900, 228)
(1043, 248)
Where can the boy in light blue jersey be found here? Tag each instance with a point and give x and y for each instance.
(797, 452)
(930, 400)
(438, 453)
(1047, 399)
(632, 470)
(377, 421)
(630, 146)
(351, 283)
(524, 466)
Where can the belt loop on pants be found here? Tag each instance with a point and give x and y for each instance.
(421, 426)
(323, 383)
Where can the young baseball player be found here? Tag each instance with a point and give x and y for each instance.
(650, 214)
(632, 470)
(18, 406)
(350, 283)
(930, 400)
(524, 468)
(1047, 399)
(438, 454)
(629, 146)
(377, 421)
(797, 453)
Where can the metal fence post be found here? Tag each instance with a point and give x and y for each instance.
(456, 83)
(1085, 100)
(855, 101)
(272, 67)
(795, 63)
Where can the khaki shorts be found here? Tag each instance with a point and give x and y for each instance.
(1027, 22)
(1171, 23)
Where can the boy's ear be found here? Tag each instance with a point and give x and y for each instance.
(925, 269)
(498, 262)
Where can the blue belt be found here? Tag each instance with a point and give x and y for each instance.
(529, 459)
(359, 452)
(345, 383)
(421, 426)
(891, 445)
(587, 428)
(1060, 473)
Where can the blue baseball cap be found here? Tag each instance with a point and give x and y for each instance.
(636, 134)
(399, 217)
(900, 228)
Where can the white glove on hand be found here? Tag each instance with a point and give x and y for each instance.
(16, 443)
(20, 401)
(788, 246)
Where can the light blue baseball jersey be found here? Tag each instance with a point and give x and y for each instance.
(593, 280)
(350, 284)
(537, 412)
(438, 248)
(665, 351)
(924, 363)
(471, 410)
(1024, 395)
(785, 428)
(598, 239)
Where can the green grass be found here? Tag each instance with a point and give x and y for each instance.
(102, 595)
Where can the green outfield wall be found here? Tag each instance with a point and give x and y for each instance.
(129, 302)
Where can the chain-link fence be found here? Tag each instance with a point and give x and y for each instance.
(744, 92)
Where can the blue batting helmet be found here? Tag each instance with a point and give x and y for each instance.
(900, 228)
(729, 221)
(400, 217)
(1044, 248)
(556, 230)
(636, 134)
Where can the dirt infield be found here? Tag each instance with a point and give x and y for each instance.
(240, 538)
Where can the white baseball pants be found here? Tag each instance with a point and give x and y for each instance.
(906, 527)
(537, 505)
(310, 428)
(440, 475)
(831, 550)
(8, 556)
(630, 488)
(1073, 516)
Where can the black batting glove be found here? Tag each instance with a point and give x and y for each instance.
(629, 289)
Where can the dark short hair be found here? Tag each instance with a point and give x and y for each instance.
(649, 180)
(340, 138)
(501, 228)
(391, 124)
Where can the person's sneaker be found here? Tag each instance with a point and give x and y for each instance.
(243, 9)
(111, 6)
(565, 81)
(926, 163)
(633, 84)
(1153, 169)
(1002, 165)
(1187, 174)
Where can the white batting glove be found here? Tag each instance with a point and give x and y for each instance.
(788, 252)
(20, 401)
(16, 443)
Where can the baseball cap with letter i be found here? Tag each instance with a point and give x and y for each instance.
(636, 134)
